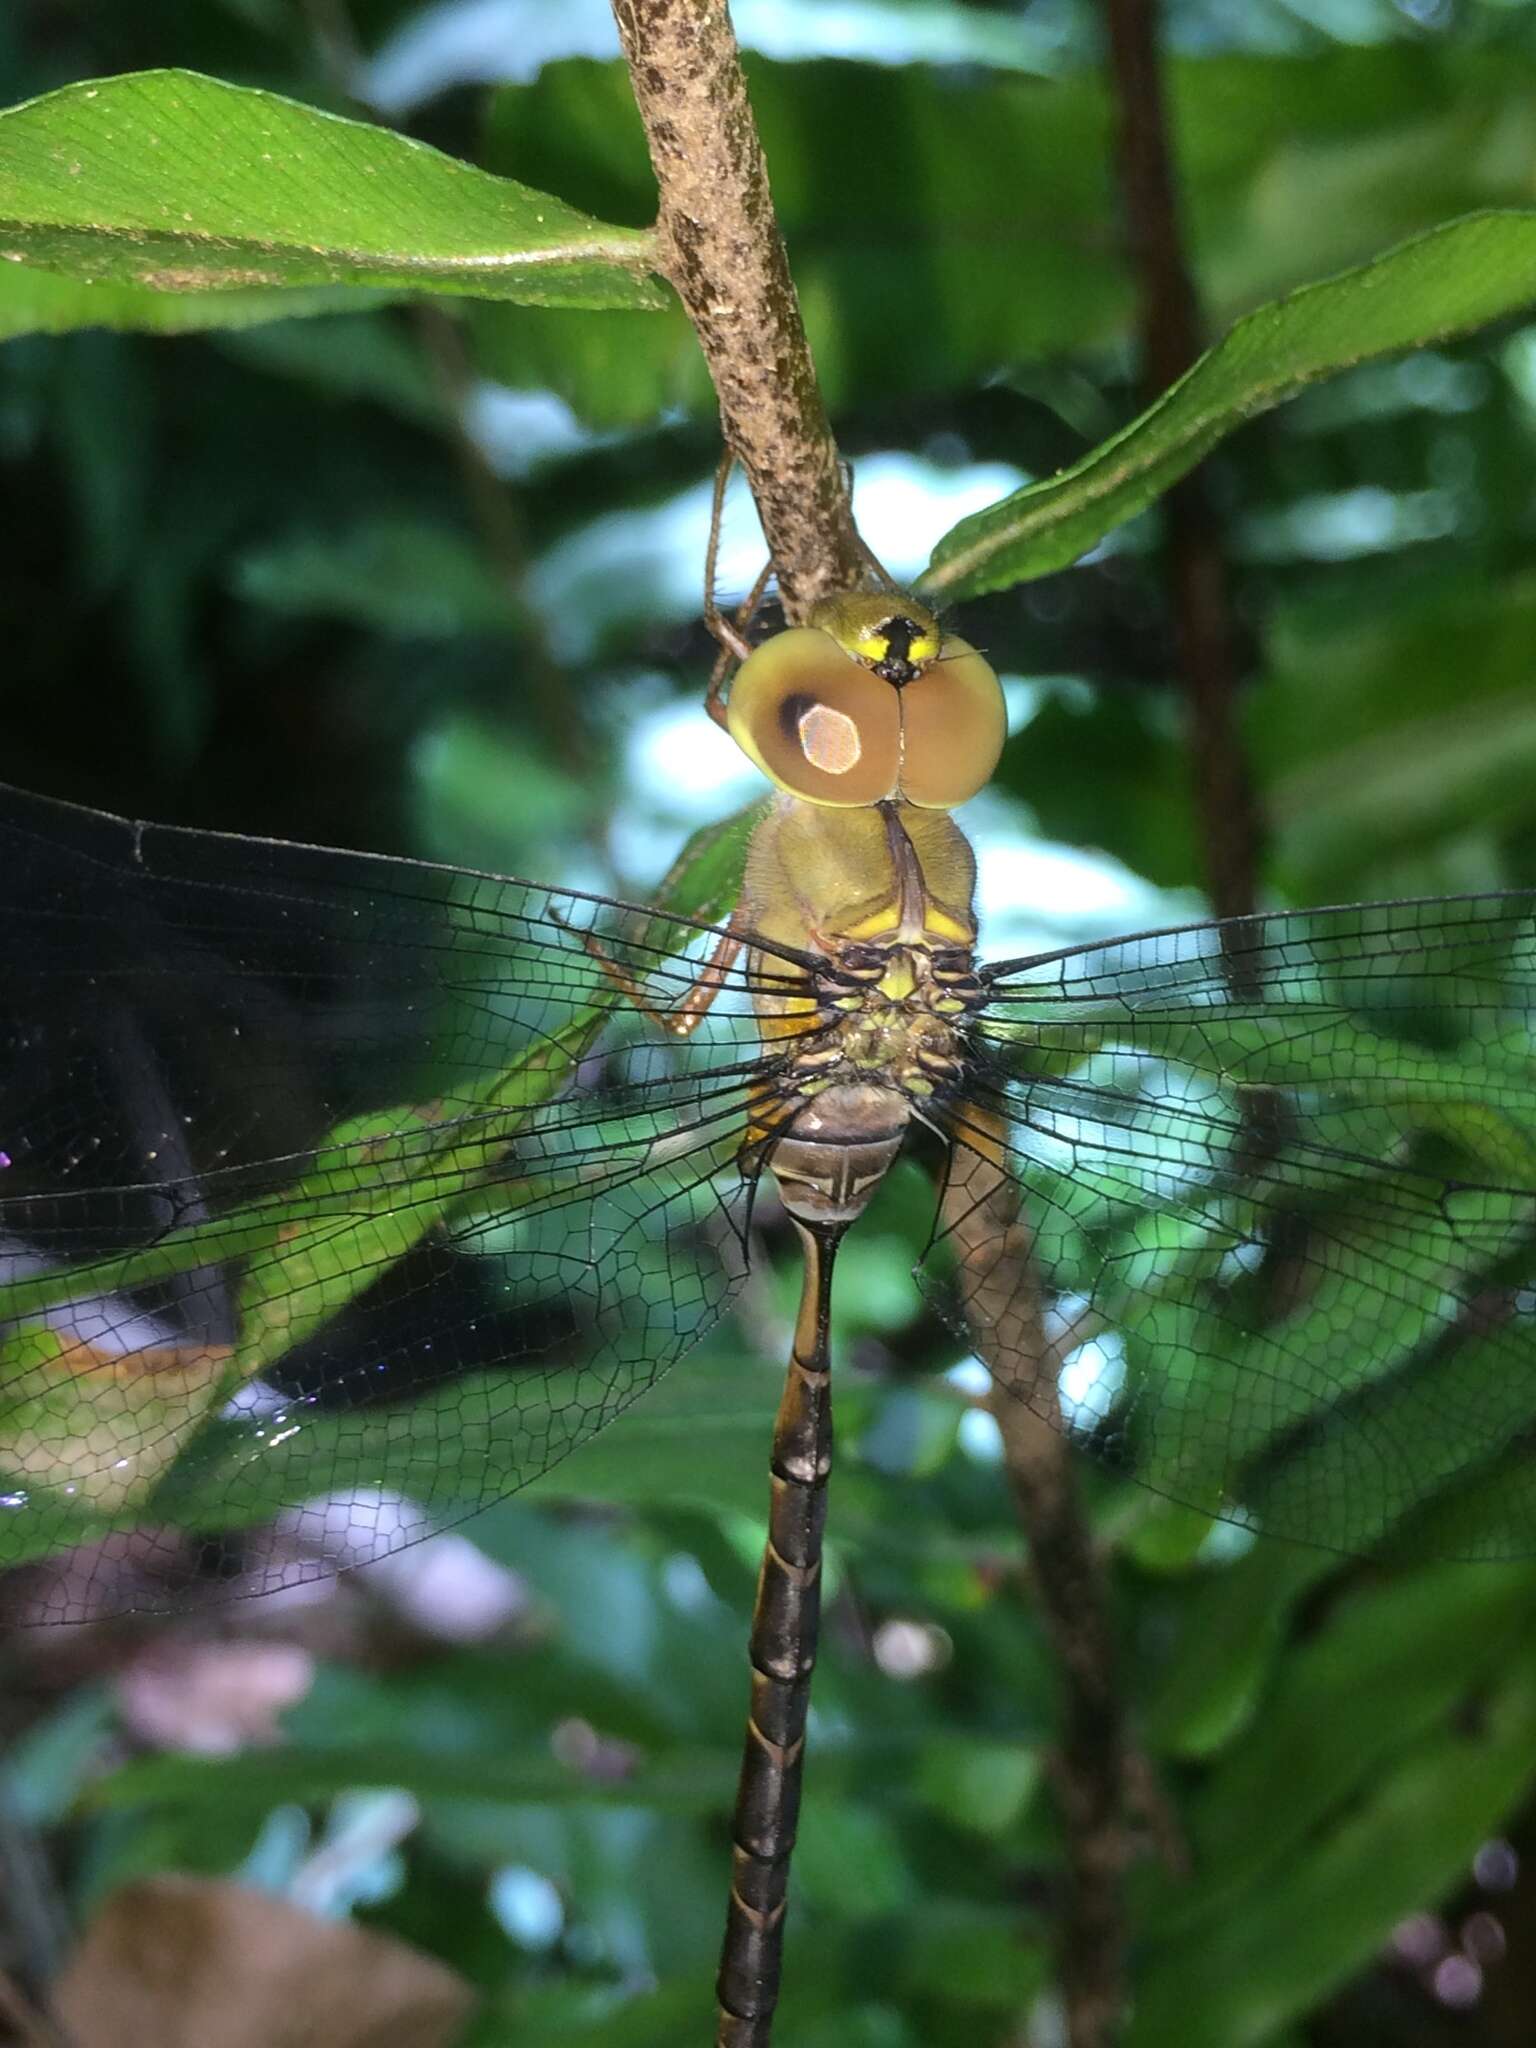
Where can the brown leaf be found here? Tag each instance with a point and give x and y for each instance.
(182, 1962)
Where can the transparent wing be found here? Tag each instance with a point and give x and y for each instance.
(322, 1173)
(1251, 1208)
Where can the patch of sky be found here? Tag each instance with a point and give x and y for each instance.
(1034, 895)
(520, 432)
(526, 1906)
(1239, 1262)
(684, 1581)
(489, 42)
(970, 1376)
(1342, 526)
(1360, 21)
(1027, 696)
(1091, 1380)
(681, 771)
(980, 1437)
(481, 42)
(1227, 1540)
(1427, 381)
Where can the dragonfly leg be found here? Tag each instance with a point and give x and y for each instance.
(688, 1013)
(731, 633)
(734, 644)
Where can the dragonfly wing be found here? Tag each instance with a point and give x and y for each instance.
(321, 1171)
(1252, 1209)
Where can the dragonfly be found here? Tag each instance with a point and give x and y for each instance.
(324, 1174)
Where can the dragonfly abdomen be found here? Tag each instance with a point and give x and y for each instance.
(837, 1150)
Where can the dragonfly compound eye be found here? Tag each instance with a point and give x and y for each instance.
(820, 725)
(953, 727)
(859, 710)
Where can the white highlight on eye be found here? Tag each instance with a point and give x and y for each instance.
(829, 739)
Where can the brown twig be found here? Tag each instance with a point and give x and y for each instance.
(725, 258)
(1089, 1767)
(497, 517)
(32, 2027)
(1199, 583)
(1005, 1307)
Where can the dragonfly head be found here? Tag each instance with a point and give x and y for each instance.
(869, 702)
(890, 633)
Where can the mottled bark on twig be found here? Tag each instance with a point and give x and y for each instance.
(725, 258)
(1195, 565)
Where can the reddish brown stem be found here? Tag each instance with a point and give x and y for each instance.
(1006, 1309)
(1199, 582)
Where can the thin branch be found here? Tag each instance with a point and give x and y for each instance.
(497, 517)
(1089, 1772)
(36, 1931)
(1199, 582)
(725, 258)
(1004, 1304)
(32, 2027)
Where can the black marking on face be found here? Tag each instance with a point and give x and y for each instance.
(896, 665)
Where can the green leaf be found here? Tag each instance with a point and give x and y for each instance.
(894, 229)
(1240, 1974)
(1383, 734)
(1392, 1662)
(39, 302)
(704, 881)
(411, 577)
(1233, 1633)
(184, 185)
(357, 357)
(105, 1427)
(262, 1778)
(378, 1185)
(973, 1954)
(1447, 281)
(99, 1426)
(695, 1441)
(48, 1766)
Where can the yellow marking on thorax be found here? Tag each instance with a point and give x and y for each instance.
(937, 925)
(886, 919)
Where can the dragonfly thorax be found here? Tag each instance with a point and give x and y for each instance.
(888, 1040)
(891, 1014)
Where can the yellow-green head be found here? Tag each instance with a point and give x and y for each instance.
(870, 702)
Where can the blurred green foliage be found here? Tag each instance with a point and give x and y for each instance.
(295, 578)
